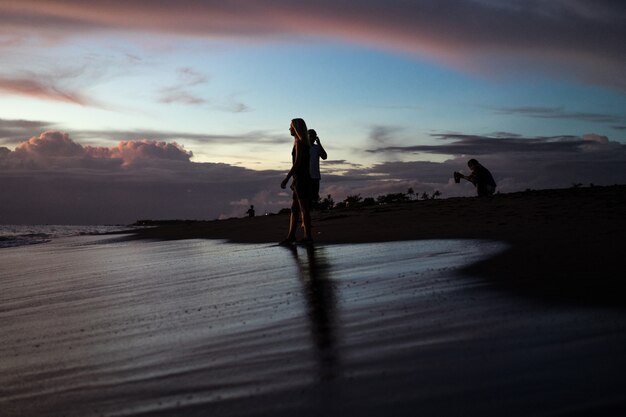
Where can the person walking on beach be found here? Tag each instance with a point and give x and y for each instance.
(250, 211)
(317, 151)
(480, 177)
(301, 183)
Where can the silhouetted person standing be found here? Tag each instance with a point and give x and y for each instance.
(301, 184)
(317, 151)
(250, 211)
(480, 177)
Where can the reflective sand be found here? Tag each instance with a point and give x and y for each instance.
(92, 327)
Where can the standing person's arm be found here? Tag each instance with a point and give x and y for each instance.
(294, 166)
(322, 152)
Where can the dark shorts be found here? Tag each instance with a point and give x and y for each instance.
(315, 190)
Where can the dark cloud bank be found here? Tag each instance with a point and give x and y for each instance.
(52, 179)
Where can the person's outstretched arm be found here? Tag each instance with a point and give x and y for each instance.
(459, 175)
(471, 178)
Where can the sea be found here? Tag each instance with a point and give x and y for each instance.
(12, 235)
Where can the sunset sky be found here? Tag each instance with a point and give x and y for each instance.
(118, 110)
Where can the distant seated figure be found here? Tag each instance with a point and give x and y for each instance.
(480, 177)
(250, 211)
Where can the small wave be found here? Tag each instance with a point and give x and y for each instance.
(36, 235)
(23, 240)
(22, 235)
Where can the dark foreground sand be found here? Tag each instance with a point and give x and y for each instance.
(566, 244)
(509, 306)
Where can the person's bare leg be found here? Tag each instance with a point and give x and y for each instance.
(305, 209)
(293, 221)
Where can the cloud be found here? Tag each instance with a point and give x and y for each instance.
(13, 130)
(517, 162)
(182, 92)
(55, 148)
(382, 134)
(342, 162)
(560, 113)
(51, 144)
(572, 38)
(41, 89)
(18, 130)
(131, 151)
(464, 144)
(175, 95)
(255, 136)
(45, 75)
(231, 104)
(179, 93)
(58, 80)
(592, 137)
(50, 178)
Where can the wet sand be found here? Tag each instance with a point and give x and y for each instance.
(518, 313)
(566, 245)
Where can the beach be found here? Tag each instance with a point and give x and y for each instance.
(564, 244)
(509, 305)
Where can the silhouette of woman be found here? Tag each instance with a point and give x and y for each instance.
(301, 184)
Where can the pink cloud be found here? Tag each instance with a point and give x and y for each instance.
(132, 150)
(40, 89)
(566, 37)
(46, 149)
(52, 179)
(592, 137)
(49, 145)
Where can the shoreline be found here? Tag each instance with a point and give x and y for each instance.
(509, 217)
(565, 244)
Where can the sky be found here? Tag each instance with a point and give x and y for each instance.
(122, 110)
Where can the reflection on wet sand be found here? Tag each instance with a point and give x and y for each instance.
(321, 304)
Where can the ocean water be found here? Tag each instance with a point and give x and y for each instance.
(12, 235)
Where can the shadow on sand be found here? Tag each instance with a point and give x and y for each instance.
(321, 305)
(579, 274)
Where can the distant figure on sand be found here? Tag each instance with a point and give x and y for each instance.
(317, 151)
(301, 184)
(480, 177)
(250, 211)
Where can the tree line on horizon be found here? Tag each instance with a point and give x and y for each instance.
(356, 200)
